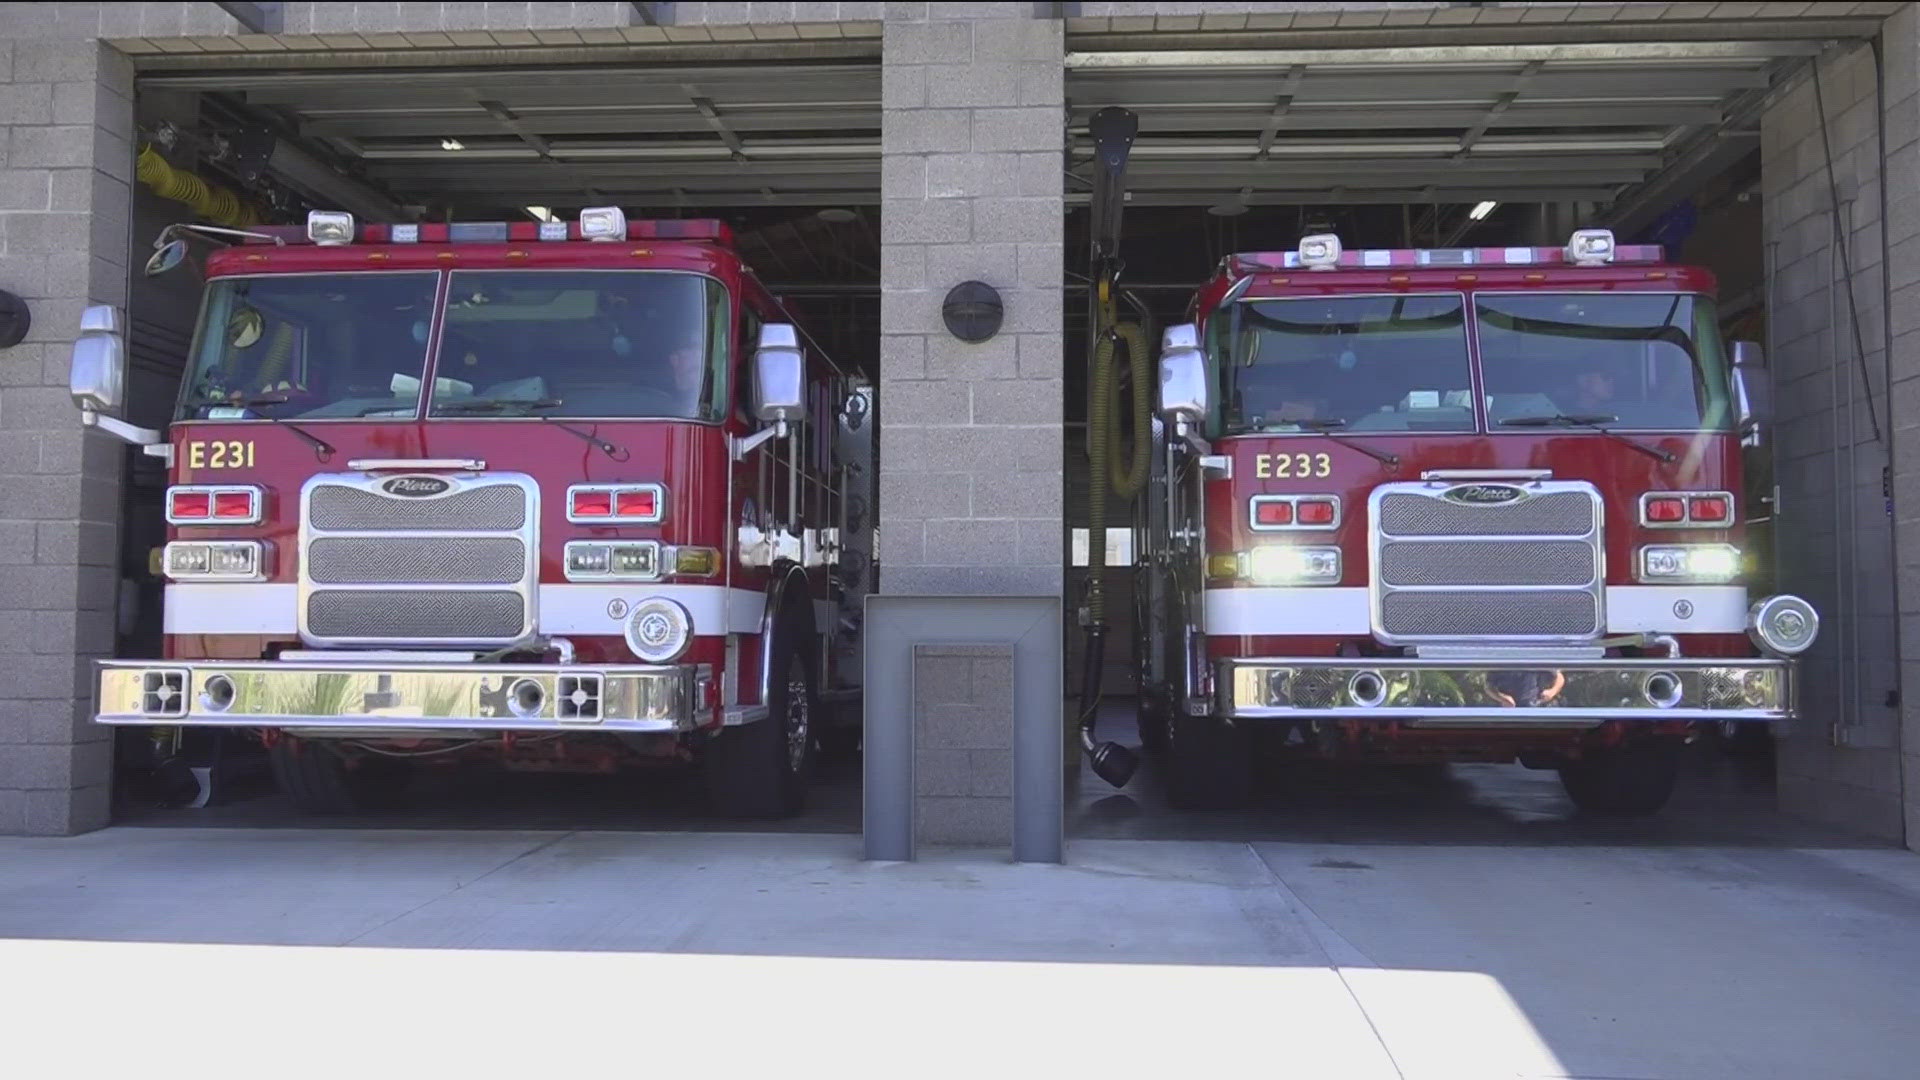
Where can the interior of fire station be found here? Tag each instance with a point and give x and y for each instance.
(1739, 156)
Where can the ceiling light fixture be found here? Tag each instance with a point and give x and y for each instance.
(539, 213)
(452, 144)
(1480, 211)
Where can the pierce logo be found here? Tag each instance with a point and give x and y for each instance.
(1484, 494)
(416, 487)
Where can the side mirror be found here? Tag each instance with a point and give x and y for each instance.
(1183, 376)
(169, 255)
(98, 374)
(1752, 390)
(779, 376)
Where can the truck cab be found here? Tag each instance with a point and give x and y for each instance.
(563, 495)
(1455, 505)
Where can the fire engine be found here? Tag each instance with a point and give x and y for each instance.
(1454, 505)
(566, 495)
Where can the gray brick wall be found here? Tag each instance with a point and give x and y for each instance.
(66, 106)
(972, 135)
(963, 745)
(1842, 763)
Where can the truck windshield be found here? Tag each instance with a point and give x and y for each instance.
(588, 343)
(1650, 361)
(1350, 363)
(309, 345)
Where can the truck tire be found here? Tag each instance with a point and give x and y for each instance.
(318, 780)
(1626, 780)
(1209, 764)
(761, 770)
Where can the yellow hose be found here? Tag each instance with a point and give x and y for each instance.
(209, 201)
(1106, 469)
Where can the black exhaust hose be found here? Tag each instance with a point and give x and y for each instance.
(1113, 131)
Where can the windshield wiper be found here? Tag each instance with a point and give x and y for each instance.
(532, 405)
(481, 405)
(322, 449)
(617, 453)
(1330, 425)
(1594, 421)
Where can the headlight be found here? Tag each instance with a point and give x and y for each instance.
(1784, 625)
(1288, 565)
(591, 560)
(1673, 563)
(233, 560)
(659, 630)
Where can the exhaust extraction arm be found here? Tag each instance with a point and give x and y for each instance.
(1113, 131)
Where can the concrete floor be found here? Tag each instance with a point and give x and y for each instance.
(534, 951)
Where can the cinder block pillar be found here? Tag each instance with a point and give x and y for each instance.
(971, 497)
(67, 107)
(971, 183)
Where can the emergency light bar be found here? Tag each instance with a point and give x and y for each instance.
(1589, 247)
(330, 228)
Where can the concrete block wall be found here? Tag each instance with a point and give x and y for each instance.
(1835, 536)
(972, 134)
(963, 745)
(66, 115)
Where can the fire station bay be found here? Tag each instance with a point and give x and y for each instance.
(938, 421)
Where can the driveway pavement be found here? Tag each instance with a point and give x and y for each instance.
(553, 951)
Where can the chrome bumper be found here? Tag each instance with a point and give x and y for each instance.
(395, 697)
(1502, 693)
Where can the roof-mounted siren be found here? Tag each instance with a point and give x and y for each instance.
(1591, 247)
(1321, 251)
(330, 228)
(603, 223)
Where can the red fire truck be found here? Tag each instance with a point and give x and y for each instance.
(1455, 505)
(563, 495)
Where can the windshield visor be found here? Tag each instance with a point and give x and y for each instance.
(585, 343)
(1649, 361)
(1356, 363)
(309, 346)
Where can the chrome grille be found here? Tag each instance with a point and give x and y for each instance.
(407, 614)
(1560, 513)
(366, 560)
(1428, 562)
(1531, 569)
(458, 568)
(1452, 614)
(494, 508)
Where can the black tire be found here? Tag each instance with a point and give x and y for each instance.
(761, 770)
(1628, 780)
(318, 780)
(1209, 764)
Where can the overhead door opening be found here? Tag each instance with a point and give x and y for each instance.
(774, 157)
(1492, 156)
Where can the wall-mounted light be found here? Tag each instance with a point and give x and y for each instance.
(973, 311)
(15, 320)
